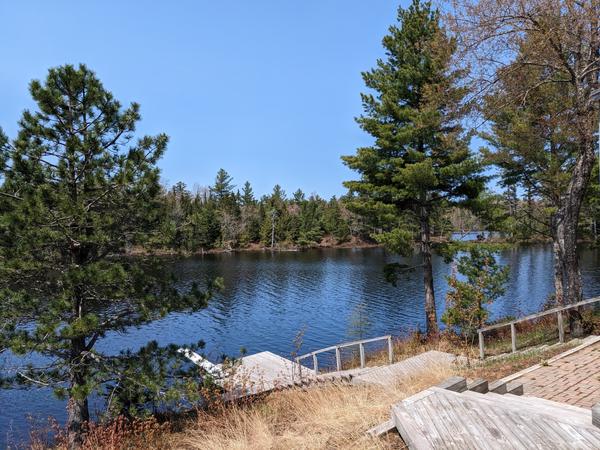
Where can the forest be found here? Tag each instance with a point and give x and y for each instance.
(223, 216)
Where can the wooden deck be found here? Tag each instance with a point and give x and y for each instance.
(442, 419)
(266, 371)
(415, 365)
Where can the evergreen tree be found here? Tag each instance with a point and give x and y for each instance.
(482, 283)
(534, 144)
(333, 222)
(205, 227)
(223, 188)
(420, 159)
(247, 197)
(278, 196)
(76, 191)
(299, 196)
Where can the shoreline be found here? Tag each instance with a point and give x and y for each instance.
(326, 243)
(352, 244)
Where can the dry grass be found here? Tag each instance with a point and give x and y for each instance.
(332, 416)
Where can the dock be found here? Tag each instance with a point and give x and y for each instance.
(265, 371)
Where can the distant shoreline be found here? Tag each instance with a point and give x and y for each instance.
(251, 248)
(326, 243)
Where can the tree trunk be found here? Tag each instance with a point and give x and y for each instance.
(559, 292)
(567, 220)
(77, 408)
(430, 311)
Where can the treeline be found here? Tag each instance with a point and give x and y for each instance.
(520, 216)
(226, 217)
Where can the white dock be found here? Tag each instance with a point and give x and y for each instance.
(265, 371)
(253, 374)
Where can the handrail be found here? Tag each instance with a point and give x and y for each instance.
(513, 333)
(338, 347)
(541, 314)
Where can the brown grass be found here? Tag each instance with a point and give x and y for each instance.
(331, 416)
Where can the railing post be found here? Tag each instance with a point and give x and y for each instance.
(299, 368)
(513, 337)
(361, 349)
(390, 350)
(338, 359)
(481, 349)
(315, 364)
(561, 327)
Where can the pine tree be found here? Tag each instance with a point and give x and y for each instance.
(484, 281)
(247, 197)
(299, 196)
(420, 159)
(223, 188)
(533, 141)
(77, 189)
(333, 222)
(205, 227)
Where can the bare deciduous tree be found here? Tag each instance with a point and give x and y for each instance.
(561, 39)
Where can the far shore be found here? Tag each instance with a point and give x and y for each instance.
(254, 247)
(326, 243)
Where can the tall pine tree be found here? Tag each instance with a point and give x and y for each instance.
(77, 189)
(420, 160)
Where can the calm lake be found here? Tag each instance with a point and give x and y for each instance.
(332, 295)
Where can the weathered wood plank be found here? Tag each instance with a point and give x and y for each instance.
(475, 427)
(561, 327)
(408, 429)
(514, 388)
(456, 384)
(479, 385)
(382, 428)
(388, 375)
(440, 418)
(498, 387)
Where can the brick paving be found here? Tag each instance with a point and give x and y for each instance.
(573, 379)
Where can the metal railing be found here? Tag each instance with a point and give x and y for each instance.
(338, 352)
(513, 332)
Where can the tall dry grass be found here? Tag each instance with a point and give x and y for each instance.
(333, 416)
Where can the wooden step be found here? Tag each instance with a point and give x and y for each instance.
(551, 403)
(534, 405)
(442, 419)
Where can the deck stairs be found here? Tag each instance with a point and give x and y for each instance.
(479, 415)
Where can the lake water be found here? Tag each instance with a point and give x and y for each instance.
(332, 295)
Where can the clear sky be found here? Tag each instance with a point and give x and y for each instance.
(265, 89)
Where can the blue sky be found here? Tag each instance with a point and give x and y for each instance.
(265, 89)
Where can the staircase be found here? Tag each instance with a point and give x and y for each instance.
(481, 416)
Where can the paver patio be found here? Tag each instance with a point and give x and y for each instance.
(572, 379)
